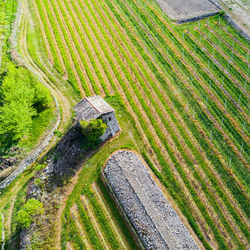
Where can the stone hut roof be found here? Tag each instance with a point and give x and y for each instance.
(91, 108)
(152, 217)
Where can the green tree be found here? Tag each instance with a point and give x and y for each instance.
(42, 97)
(29, 213)
(15, 120)
(21, 98)
(16, 111)
(93, 130)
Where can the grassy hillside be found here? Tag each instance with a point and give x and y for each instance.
(186, 89)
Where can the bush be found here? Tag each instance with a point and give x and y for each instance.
(29, 213)
(21, 99)
(93, 130)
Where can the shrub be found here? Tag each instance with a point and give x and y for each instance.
(22, 98)
(29, 213)
(93, 130)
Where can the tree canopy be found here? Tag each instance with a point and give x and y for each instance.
(21, 98)
(93, 130)
(29, 213)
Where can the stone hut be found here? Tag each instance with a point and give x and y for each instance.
(152, 219)
(95, 107)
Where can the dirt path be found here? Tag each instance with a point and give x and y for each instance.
(66, 115)
(63, 101)
(10, 198)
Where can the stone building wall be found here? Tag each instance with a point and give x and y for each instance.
(113, 127)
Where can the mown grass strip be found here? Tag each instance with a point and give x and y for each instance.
(108, 216)
(81, 231)
(102, 220)
(86, 221)
(75, 234)
(89, 209)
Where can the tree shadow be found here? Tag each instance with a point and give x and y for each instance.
(70, 152)
(6, 145)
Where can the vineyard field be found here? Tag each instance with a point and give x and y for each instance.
(185, 88)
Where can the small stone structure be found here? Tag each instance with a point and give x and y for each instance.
(95, 107)
(188, 10)
(152, 218)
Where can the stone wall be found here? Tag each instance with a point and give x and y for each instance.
(197, 18)
(146, 209)
(113, 127)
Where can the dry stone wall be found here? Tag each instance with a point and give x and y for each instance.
(113, 127)
(186, 11)
(146, 208)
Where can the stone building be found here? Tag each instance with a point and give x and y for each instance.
(95, 107)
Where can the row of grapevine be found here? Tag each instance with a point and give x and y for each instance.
(220, 117)
(93, 225)
(131, 49)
